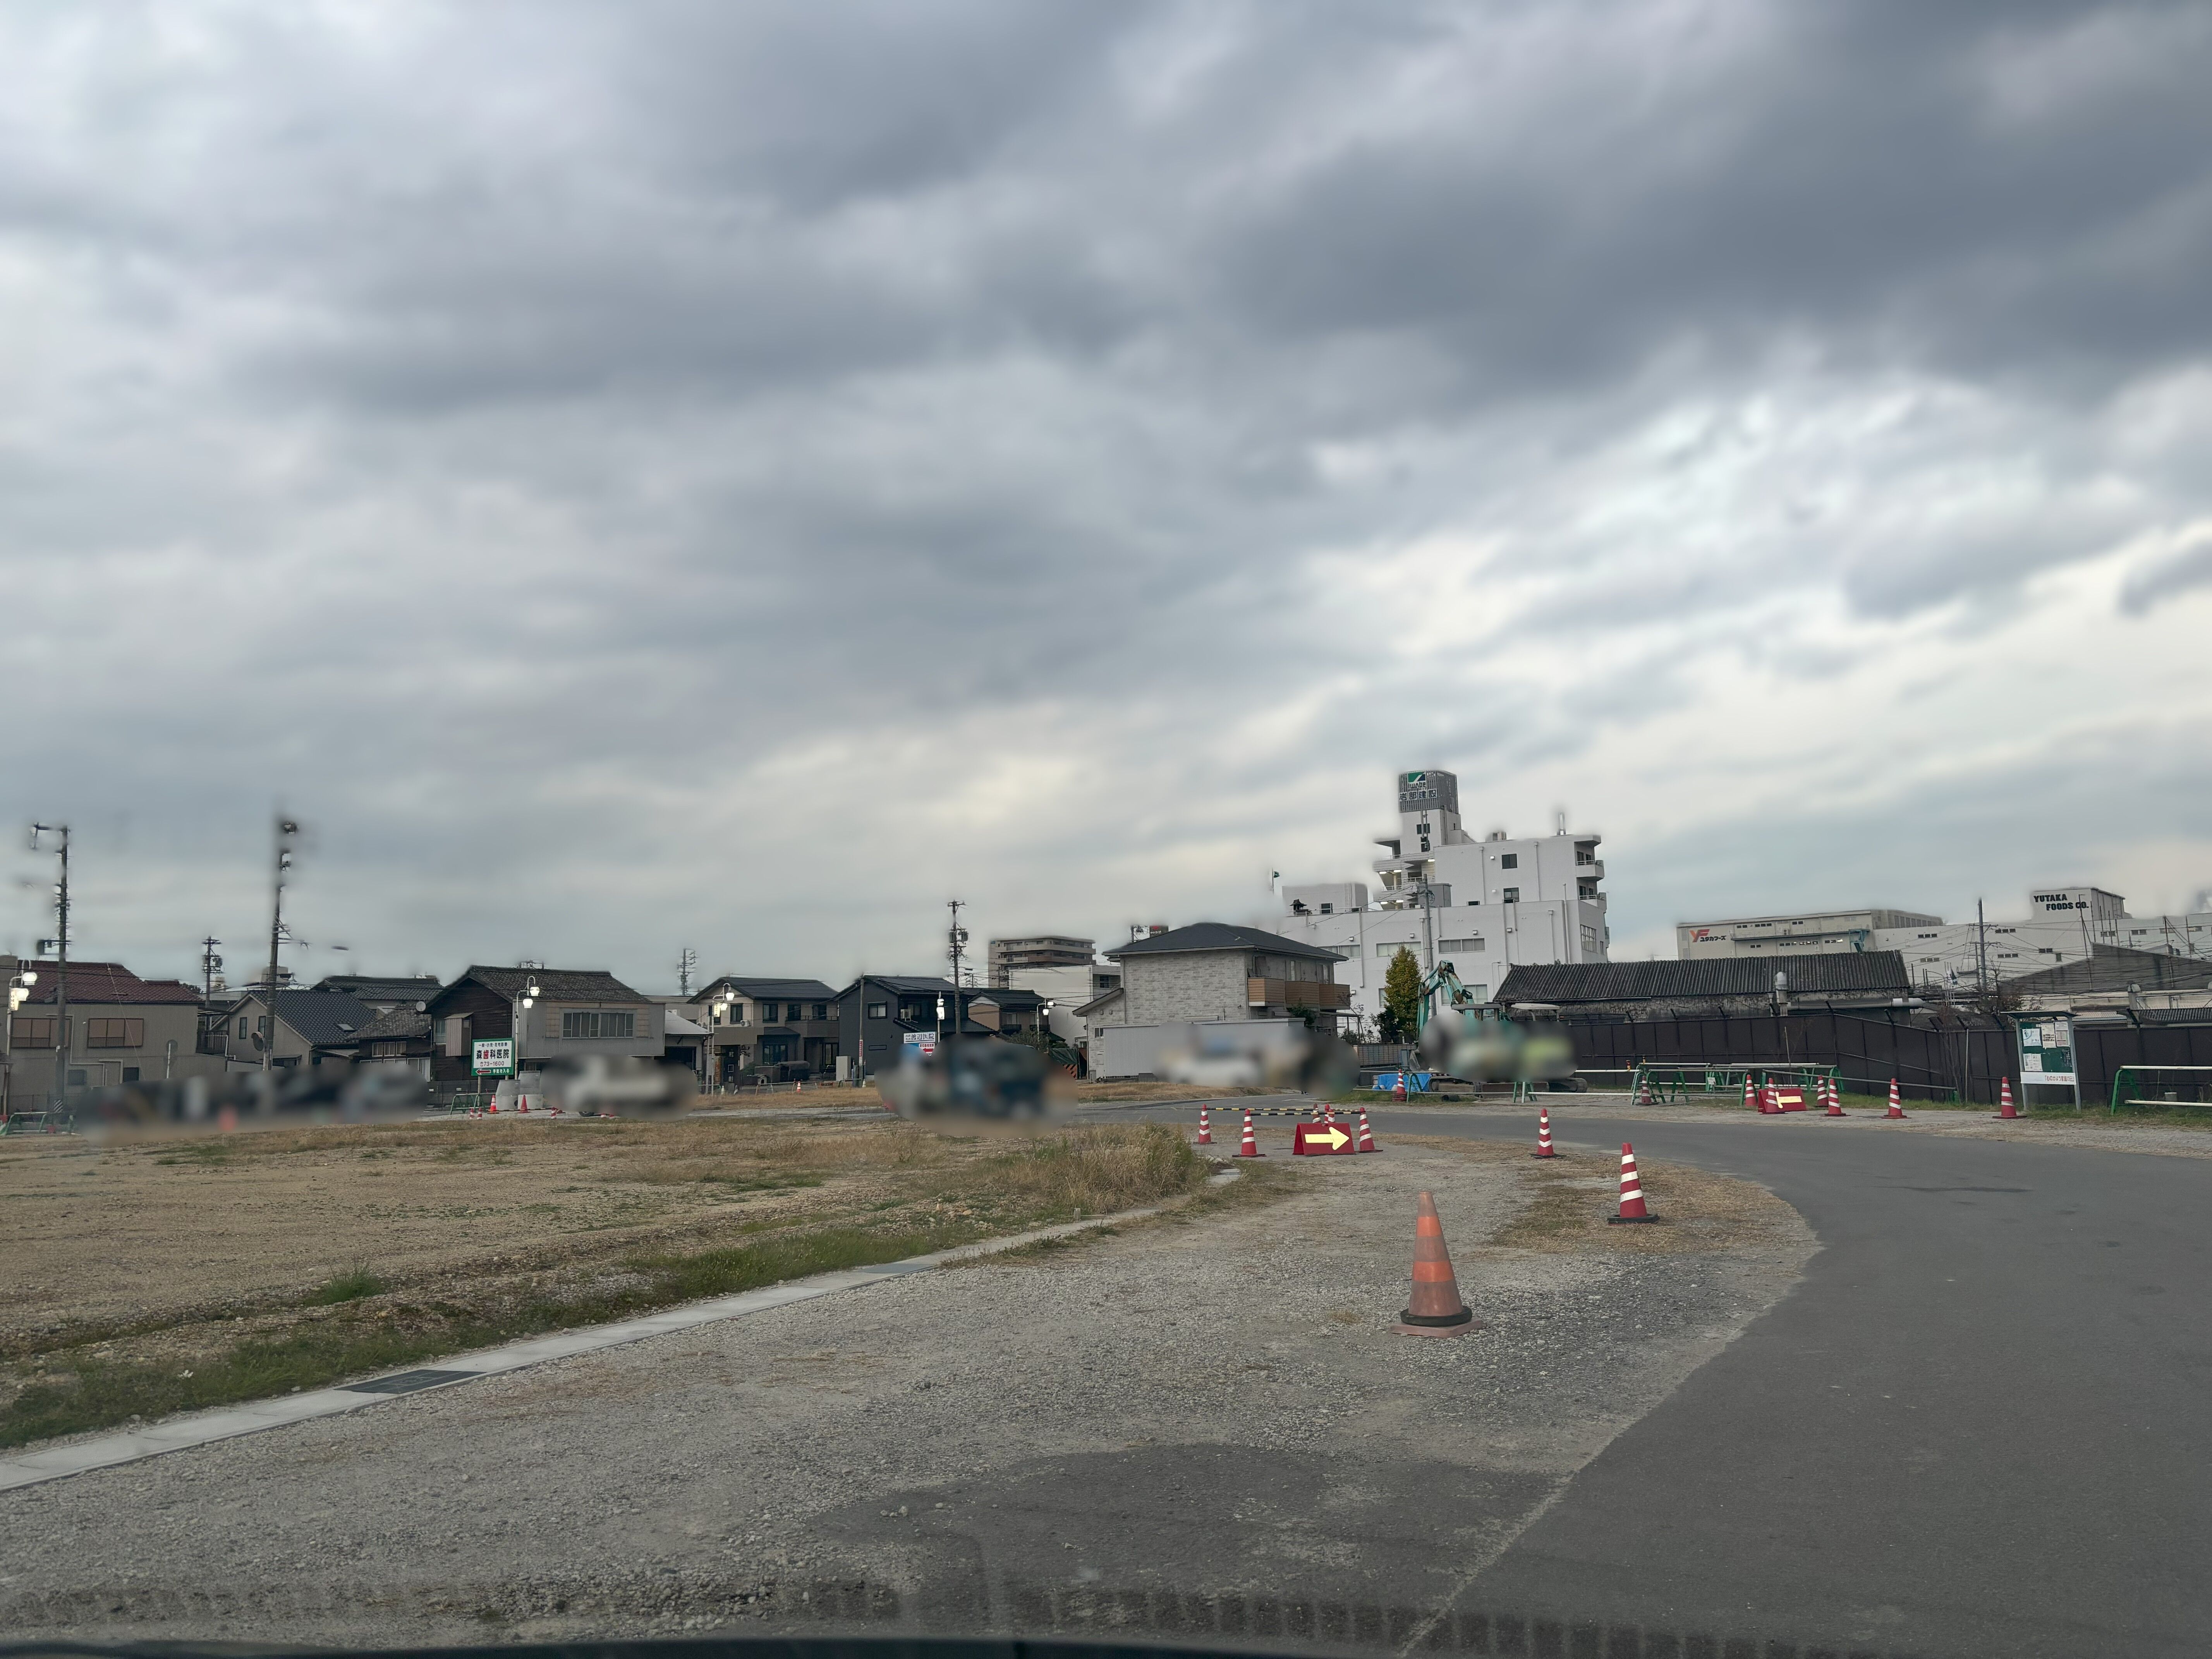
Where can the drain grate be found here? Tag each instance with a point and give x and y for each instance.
(409, 1382)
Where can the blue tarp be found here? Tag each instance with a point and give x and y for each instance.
(1416, 1082)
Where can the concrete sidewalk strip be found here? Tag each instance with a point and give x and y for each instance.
(228, 1422)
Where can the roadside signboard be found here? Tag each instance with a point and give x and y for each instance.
(493, 1056)
(1322, 1141)
(920, 1045)
(2046, 1052)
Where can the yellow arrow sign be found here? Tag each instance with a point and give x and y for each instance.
(1337, 1140)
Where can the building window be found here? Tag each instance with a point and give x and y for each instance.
(241, 1024)
(1509, 860)
(131, 1074)
(1585, 855)
(879, 1011)
(437, 1029)
(115, 1034)
(76, 1079)
(820, 1010)
(1511, 896)
(601, 1024)
(29, 1031)
(1463, 946)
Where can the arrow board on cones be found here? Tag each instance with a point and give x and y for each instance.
(1320, 1141)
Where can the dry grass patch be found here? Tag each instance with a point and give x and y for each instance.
(196, 1272)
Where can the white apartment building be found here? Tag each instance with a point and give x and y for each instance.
(1483, 905)
(2062, 925)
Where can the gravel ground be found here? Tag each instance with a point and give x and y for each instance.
(2094, 1129)
(1195, 1425)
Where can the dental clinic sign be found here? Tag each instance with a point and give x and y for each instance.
(493, 1056)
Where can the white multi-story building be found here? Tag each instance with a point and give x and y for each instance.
(2062, 925)
(1483, 905)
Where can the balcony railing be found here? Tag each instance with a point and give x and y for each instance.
(1296, 994)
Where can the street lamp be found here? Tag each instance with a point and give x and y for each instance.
(286, 830)
(61, 955)
(528, 1000)
(19, 991)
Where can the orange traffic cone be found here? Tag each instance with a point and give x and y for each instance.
(2004, 1098)
(1835, 1097)
(1435, 1309)
(1631, 1190)
(1205, 1128)
(1543, 1133)
(1750, 1100)
(1643, 1089)
(1896, 1109)
(1366, 1135)
(1251, 1146)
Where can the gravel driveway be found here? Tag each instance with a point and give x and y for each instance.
(1195, 1425)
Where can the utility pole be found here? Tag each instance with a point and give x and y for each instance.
(286, 830)
(686, 960)
(209, 963)
(1982, 950)
(956, 937)
(61, 951)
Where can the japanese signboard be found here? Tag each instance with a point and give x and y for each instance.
(920, 1045)
(493, 1056)
(2046, 1052)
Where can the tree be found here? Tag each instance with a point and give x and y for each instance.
(1401, 999)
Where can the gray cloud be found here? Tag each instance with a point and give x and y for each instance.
(594, 462)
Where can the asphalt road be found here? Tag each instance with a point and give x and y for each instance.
(1978, 1425)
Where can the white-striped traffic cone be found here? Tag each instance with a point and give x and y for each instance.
(1631, 1190)
(1835, 1097)
(1205, 1128)
(1366, 1134)
(2005, 1099)
(1896, 1108)
(1250, 1148)
(1543, 1133)
(1750, 1101)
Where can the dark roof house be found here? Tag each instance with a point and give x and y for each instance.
(103, 982)
(1221, 936)
(311, 1026)
(385, 991)
(577, 1011)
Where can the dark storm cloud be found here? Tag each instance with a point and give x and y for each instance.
(532, 427)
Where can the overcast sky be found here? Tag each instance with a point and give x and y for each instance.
(636, 476)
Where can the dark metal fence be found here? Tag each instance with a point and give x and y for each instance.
(1939, 1054)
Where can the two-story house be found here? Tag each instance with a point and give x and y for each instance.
(1210, 977)
(878, 1012)
(120, 1029)
(766, 1030)
(574, 1012)
(311, 1027)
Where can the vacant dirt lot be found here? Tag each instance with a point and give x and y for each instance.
(323, 1251)
(1201, 1419)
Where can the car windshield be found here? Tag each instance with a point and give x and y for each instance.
(1514, 703)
